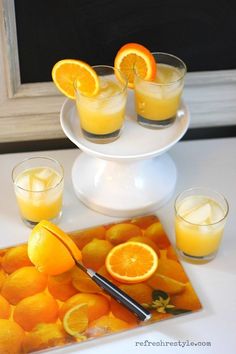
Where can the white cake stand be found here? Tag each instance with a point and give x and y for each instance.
(134, 174)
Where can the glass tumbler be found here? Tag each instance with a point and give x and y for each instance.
(102, 116)
(38, 184)
(200, 217)
(157, 102)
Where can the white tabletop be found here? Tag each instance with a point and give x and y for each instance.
(209, 163)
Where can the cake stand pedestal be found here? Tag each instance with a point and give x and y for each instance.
(130, 176)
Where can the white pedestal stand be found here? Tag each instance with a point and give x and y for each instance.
(134, 174)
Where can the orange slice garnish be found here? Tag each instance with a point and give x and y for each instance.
(135, 56)
(131, 262)
(66, 71)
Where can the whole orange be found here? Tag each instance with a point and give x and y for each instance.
(5, 308)
(22, 283)
(15, 258)
(95, 252)
(144, 221)
(157, 234)
(39, 308)
(11, 337)
(44, 335)
(122, 232)
(3, 276)
(82, 237)
(61, 287)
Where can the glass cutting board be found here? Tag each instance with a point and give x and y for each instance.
(35, 305)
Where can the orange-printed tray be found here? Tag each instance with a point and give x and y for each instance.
(33, 305)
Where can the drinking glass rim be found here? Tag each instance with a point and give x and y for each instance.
(124, 88)
(169, 83)
(205, 189)
(34, 158)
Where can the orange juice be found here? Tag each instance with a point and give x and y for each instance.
(102, 116)
(39, 193)
(199, 225)
(157, 101)
(160, 102)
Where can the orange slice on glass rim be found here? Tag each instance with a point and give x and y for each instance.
(66, 71)
(135, 56)
(131, 262)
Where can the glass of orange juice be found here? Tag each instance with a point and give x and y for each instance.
(38, 183)
(102, 116)
(200, 216)
(158, 101)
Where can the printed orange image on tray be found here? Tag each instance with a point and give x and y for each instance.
(47, 300)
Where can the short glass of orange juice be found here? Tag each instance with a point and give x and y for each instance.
(158, 101)
(102, 116)
(38, 184)
(200, 216)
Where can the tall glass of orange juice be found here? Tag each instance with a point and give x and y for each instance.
(38, 183)
(158, 101)
(102, 116)
(200, 216)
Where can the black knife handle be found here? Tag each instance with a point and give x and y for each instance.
(122, 297)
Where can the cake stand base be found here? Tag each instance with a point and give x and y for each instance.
(124, 188)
